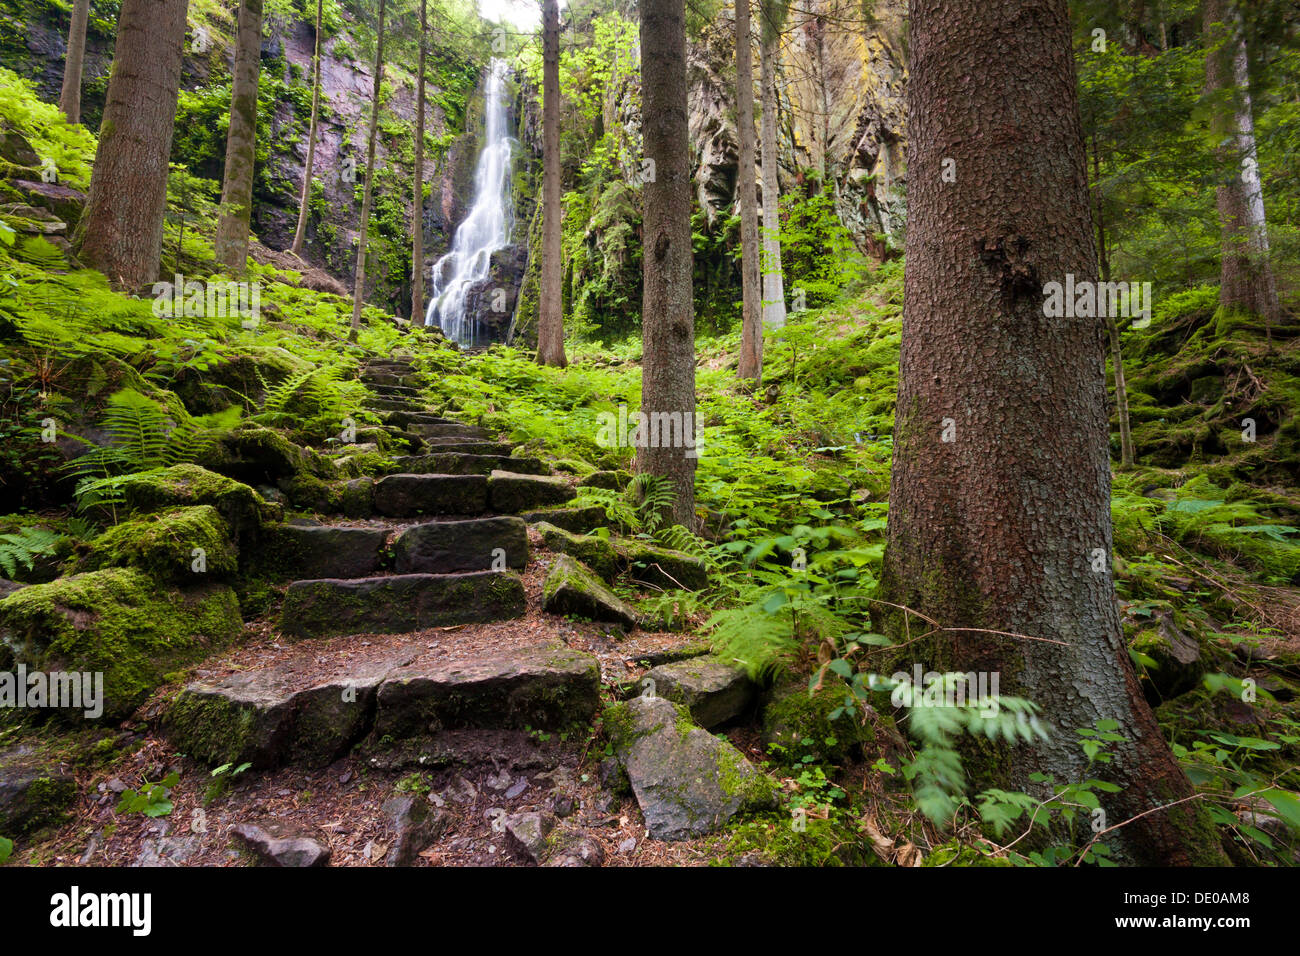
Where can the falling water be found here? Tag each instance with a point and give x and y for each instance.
(485, 229)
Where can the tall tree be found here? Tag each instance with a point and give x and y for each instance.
(300, 233)
(363, 237)
(667, 307)
(550, 323)
(1246, 276)
(751, 322)
(1000, 498)
(121, 231)
(772, 14)
(231, 244)
(417, 203)
(70, 99)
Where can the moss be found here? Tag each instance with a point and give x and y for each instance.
(595, 552)
(121, 623)
(44, 803)
(243, 509)
(164, 545)
(793, 716)
(313, 494)
(956, 853)
(774, 839)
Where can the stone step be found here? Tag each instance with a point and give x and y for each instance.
(441, 547)
(403, 419)
(399, 603)
(455, 463)
(402, 495)
(540, 687)
(395, 391)
(272, 716)
(384, 378)
(453, 446)
(394, 405)
(510, 492)
(454, 431)
(325, 551)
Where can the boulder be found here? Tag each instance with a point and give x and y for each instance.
(274, 843)
(713, 690)
(528, 833)
(572, 588)
(243, 509)
(182, 546)
(595, 552)
(792, 715)
(417, 825)
(119, 622)
(34, 792)
(686, 781)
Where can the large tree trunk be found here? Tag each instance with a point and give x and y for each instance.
(773, 282)
(1001, 482)
(550, 323)
(417, 207)
(667, 309)
(751, 327)
(231, 243)
(359, 288)
(304, 199)
(70, 99)
(121, 230)
(1246, 283)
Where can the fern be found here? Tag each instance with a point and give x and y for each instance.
(145, 436)
(23, 547)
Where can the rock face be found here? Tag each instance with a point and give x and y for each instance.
(686, 781)
(842, 102)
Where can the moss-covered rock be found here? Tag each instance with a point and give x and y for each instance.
(595, 552)
(242, 508)
(661, 567)
(257, 455)
(119, 622)
(174, 545)
(572, 588)
(796, 723)
(33, 792)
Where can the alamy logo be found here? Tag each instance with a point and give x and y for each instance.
(924, 688)
(654, 430)
(182, 297)
(74, 909)
(1086, 299)
(58, 689)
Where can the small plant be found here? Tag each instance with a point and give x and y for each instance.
(152, 799)
(416, 783)
(222, 778)
(6, 850)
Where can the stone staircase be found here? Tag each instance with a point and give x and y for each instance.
(386, 605)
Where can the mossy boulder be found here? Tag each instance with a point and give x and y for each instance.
(580, 520)
(176, 545)
(686, 781)
(34, 792)
(1174, 658)
(713, 690)
(595, 552)
(612, 480)
(799, 723)
(662, 567)
(573, 588)
(257, 455)
(313, 493)
(119, 622)
(242, 508)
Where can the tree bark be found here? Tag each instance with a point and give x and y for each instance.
(1246, 277)
(751, 327)
(231, 243)
(550, 323)
(773, 281)
(70, 99)
(304, 199)
(667, 308)
(121, 230)
(359, 288)
(417, 206)
(1000, 494)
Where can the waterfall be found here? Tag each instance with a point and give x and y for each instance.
(484, 230)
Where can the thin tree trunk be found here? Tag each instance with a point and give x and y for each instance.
(773, 281)
(70, 99)
(550, 323)
(359, 288)
(417, 207)
(667, 308)
(304, 199)
(121, 230)
(1000, 495)
(1246, 280)
(751, 334)
(1112, 329)
(231, 243)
